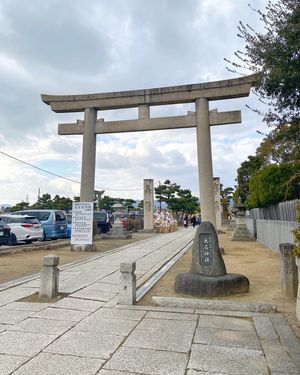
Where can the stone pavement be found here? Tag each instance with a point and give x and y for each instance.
(89, 333)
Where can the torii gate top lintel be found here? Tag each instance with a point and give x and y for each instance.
(217, 90)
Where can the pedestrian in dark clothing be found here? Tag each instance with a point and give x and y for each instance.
(193, 221)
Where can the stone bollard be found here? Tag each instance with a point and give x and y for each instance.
(288, 271)
(49, 277)
(127, 287)
(298, 295)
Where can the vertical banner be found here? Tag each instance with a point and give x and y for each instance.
(217, 195)
(148, 204)
(82, 223)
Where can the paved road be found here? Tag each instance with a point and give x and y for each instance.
(89, 333)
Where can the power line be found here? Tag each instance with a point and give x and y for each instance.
(59, 176)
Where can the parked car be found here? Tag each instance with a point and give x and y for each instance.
(23, 228)
(103, 221)
(69, 225)
(54, 222)
(4, 233)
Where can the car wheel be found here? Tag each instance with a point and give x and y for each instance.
(12, 241)
(44, 238)
(28, 241)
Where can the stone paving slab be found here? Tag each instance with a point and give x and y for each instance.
(23, 343)
(3, 327)
(240, 314)
(13, 316)
(168, 325)
(46, 326)
(78, 304)
(160, 340)
(95, 323)
(157, 308)
(278, 359)
(113, 278)
(287, 337)
(193, 372)
(113, 372)
(103, 287)
(171, 315)
(8, 363)
(55, 364)
(227, 360)
(61, 314)
(25, 306)
(120, 314)
(146, 361)
(70, 286)
(224, 322)
(95, 295)
(85, 344)
(225, 337)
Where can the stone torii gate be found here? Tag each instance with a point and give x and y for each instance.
(201, 94)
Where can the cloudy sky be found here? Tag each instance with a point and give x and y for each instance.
(79, 47)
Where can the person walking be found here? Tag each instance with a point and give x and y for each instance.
(193, 221)
(186, 221)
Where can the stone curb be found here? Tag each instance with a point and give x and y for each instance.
(213, 305)
(47, 245)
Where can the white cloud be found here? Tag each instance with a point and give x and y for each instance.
(73, 47)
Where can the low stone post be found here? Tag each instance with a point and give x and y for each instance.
(298, 295)
(49, 277)
(288, 271)
(127, 287)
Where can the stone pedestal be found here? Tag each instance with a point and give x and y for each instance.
(83, 248)
(127, 286)
(241, 232)
(208, 276)
(298, 294)
(118, 231)
(49, 277)
(288, 271)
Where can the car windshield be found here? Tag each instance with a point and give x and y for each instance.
(100, 216)
(40, 215)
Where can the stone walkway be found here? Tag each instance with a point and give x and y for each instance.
(89, 333)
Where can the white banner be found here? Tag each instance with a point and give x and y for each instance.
(82, 223)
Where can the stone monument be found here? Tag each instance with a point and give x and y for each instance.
(208, 276)
(148, 205)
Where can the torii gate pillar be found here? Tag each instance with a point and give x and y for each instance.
(88, 156)
(205, 169)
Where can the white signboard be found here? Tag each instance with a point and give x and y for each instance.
(82, 223)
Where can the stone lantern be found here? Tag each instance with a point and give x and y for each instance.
(241, 232)
(118, 212)
(118, 230)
